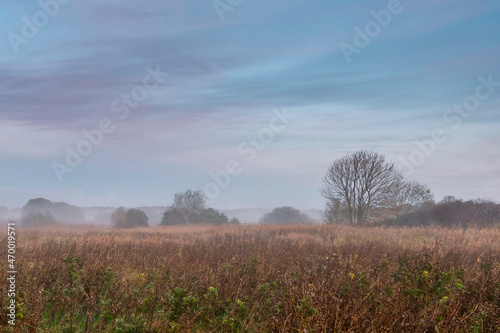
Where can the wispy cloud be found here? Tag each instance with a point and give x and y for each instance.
(225, 78)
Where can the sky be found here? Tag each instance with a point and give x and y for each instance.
(107, 103)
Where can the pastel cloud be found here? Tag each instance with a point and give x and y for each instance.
(225, 78)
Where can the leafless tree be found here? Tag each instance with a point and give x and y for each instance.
(362, 186)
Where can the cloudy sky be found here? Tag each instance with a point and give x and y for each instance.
(181, 89)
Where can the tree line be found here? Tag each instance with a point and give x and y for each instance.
(361, 188)
(42, 212)
(189, 207)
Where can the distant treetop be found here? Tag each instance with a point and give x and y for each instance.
(40, 212)
(285, 215)
(190, 207)
(126, 219)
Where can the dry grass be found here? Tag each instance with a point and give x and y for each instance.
(257, 279)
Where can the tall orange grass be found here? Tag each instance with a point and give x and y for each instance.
(257, 279)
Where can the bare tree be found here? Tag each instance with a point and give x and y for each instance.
(362, 186)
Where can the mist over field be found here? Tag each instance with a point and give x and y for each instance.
(102, 215)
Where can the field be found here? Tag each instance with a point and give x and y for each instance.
(256, 279)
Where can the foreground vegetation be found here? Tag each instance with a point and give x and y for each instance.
(257, 279)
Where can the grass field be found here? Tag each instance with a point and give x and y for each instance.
(257, 279)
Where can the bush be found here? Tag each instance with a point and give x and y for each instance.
(136, 218)
(210, 215)
(38, 220)
(234, 220)
(59, 211)
(118, 218)
(189, 207)
(451, 213)
(173, 216)
(129, 219)
(285, 215)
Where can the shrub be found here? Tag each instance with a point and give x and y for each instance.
(129, 219)
(189, 207)
(38, 220)
(59, 211)
(285, 215)
(173, 216)
(451, 213)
